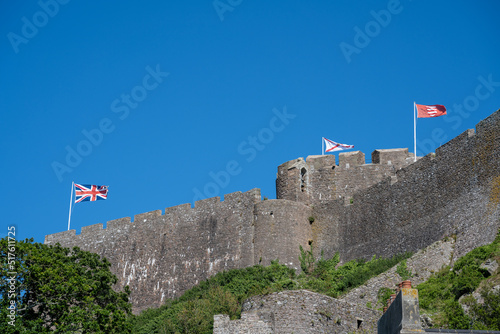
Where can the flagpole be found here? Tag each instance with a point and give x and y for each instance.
(415, 130)
(322, 146)
(70, 202)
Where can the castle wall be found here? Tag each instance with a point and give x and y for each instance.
(395, 204)
(326, 228)
(385, 208)
(452, 192)
(318, 179)
(352, 179)
(321, 171)
(161, 256)
(281, 226)
(398, 157)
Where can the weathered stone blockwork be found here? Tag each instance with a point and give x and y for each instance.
(280, 227)
(299, 312)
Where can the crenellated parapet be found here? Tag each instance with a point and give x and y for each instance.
(183, 212)
(319, 179)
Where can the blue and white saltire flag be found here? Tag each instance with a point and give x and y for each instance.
(332, 146)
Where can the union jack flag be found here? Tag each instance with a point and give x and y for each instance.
(90, 192)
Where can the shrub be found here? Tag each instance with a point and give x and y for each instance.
(383, 294)
(440, 293)
(306, 259)
(403, 271)
(487, 314)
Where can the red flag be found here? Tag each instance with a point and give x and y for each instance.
(424, 111)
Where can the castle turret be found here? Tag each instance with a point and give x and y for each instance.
(291, 181)
(318, 179)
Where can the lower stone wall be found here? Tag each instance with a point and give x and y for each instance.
(298, 312)
(249, 323)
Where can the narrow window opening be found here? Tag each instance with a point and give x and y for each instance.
(303, 172)
(360, 322)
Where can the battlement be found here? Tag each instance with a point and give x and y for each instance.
(56, 237)
(319, 179)
(399, 157)
(349, 159)
(208, 205)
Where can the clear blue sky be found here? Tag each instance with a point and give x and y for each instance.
(156, 98)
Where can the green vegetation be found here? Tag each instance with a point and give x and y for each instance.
(306, 259)
(326, 277)
(439, 296)
(403, 271)
(55, 289)
(69, 291)
(226, 291)
(487, 315)
(382, 295)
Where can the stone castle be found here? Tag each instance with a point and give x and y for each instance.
(390, 206)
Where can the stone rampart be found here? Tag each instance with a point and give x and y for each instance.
(455, 191)
(317, 179)
(299, 312)
(160, 256)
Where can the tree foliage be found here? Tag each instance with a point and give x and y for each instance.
(59, 290)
